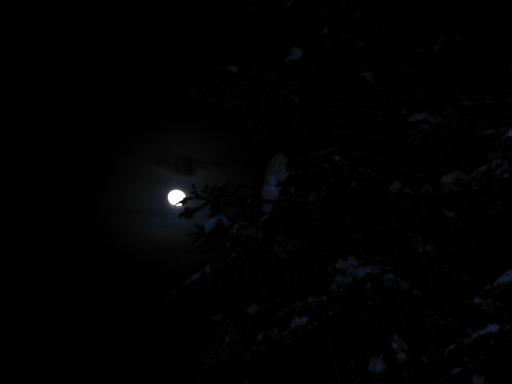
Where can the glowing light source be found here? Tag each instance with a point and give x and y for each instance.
(175, 197)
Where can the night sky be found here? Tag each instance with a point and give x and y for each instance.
(137, 139)
(394, 120)
(133, 138)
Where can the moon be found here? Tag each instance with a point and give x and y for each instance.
(175, 197)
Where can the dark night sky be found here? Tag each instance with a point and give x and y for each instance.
(131, 142)
(118, 137)
(126, 70)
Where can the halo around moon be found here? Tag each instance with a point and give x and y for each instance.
(175, 197)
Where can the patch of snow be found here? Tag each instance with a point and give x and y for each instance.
(299, 321)
(233, 68)
(505, 279)
(394, 187)
(501, 169)
(422, 246)
(206, 270)
(420, 117)
(489, 132)
(478, 176)
(276, 172)
(449, 214)
(229, 337)
(453, 177)
(364, 271)
(295, 54)
(252, 309)
(391, 281)
(399, 346)
(193, 278)
(368, 76)
(489, 329)
(437, 45)
(397, 343)
(347, 265)
(376, 364)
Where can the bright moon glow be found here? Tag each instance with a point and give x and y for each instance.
(175, 197)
